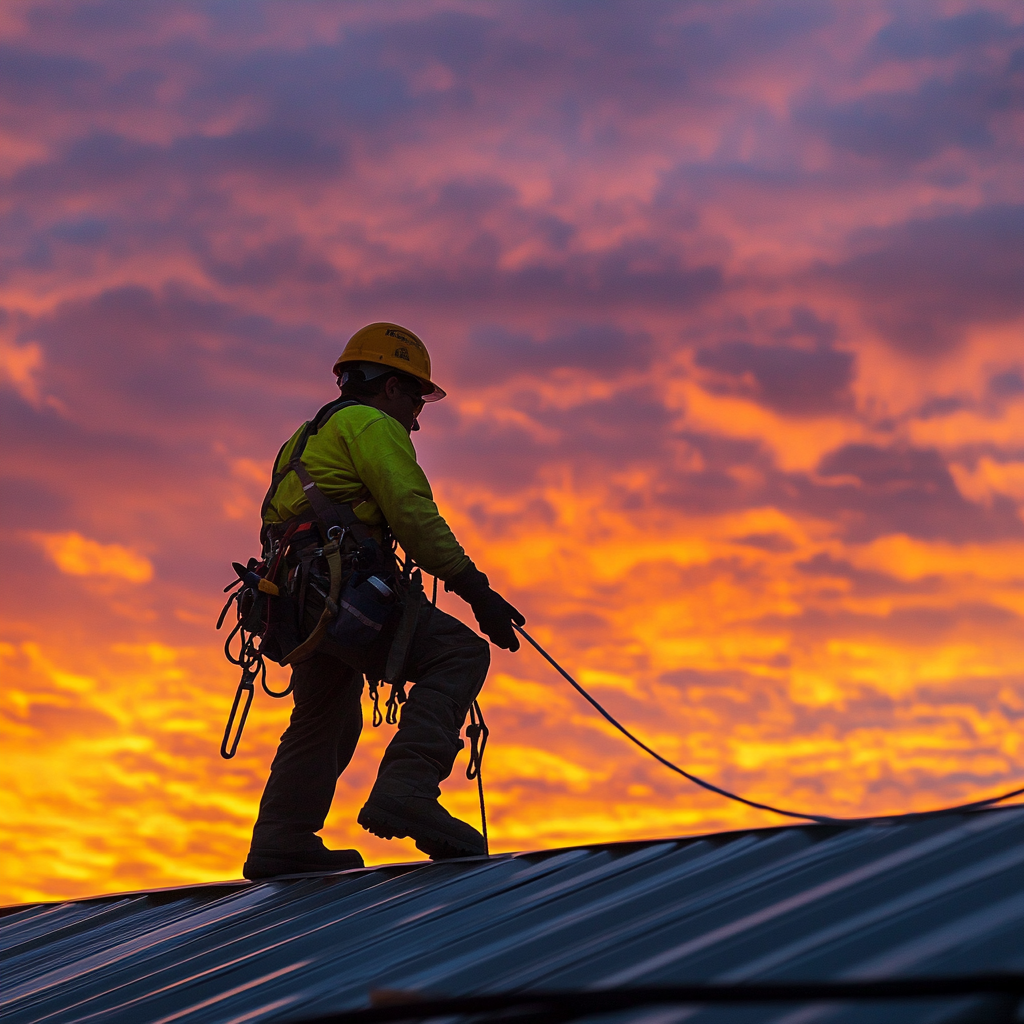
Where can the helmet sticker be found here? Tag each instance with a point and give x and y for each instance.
(415, 342)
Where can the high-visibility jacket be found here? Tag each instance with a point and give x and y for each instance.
(363, 453)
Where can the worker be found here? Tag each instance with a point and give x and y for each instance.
(359, 456)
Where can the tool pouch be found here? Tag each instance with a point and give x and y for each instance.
(405, 627)
(369, 607)
(366, 607)
(271, 617)
(282, 635)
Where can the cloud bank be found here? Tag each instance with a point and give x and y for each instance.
(728, 301)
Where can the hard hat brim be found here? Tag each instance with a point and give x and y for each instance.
(432, 392)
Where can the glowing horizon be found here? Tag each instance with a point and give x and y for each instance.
(727, 300)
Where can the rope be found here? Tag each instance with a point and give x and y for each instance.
(478, 732)
(704, 784)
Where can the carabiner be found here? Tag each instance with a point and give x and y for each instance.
(245, 684)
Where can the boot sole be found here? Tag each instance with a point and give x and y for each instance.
(262, 867)
(436, 845)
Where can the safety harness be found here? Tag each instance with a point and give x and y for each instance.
(367, 593)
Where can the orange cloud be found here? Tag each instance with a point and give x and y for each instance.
(19, 365)
(732, 339)
(79, 556)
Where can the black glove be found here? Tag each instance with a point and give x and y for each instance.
(493, 613)
(495, 616)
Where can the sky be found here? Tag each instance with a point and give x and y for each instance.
(727, 297)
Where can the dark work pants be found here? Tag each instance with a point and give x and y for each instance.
(447, 663)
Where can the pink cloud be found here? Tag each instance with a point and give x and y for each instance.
(727, 300)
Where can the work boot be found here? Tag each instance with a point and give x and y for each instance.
(397, 811)
(403, 801)
(270, 863)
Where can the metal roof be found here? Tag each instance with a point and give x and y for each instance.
(914, 897)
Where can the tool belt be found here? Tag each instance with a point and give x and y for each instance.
(350, 584)
(328, 561)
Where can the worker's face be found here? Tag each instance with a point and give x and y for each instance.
(400, 402)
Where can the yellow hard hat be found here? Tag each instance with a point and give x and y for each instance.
(394, 346)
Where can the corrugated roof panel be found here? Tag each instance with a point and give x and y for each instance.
(917, 897)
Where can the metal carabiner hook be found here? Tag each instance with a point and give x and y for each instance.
(245, 684)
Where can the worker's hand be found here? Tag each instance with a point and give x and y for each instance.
(493, 613)
(495, 617)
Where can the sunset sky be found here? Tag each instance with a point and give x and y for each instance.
(728, 298)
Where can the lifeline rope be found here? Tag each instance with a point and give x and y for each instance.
(478, 732)
(823, 818)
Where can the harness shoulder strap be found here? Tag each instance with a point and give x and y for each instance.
(326, 511)
(309, 428)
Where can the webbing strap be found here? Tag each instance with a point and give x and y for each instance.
(332, 552)
(308, 430)
(308, 646)
(326, 511)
